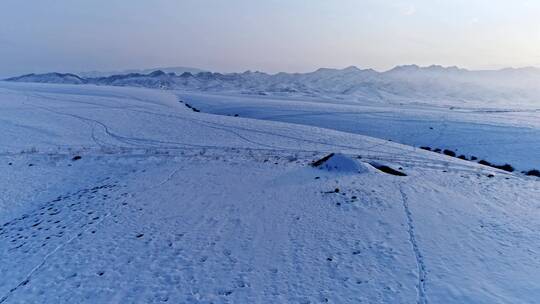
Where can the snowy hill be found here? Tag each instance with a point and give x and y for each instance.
(505, 135)
(128, 195)
(450, 86)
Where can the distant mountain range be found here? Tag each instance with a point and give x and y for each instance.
(409, 83)
(176, 70)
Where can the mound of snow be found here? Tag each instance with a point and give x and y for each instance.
(340, 163)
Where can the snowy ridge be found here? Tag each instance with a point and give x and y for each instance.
(411, 84)
(506, 135)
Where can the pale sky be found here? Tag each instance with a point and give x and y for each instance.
(265, 35)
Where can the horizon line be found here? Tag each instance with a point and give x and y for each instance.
(412, 65)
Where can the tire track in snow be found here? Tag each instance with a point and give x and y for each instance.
(420, 263)
(235, 130)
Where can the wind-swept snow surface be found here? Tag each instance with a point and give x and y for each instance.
(169, 205)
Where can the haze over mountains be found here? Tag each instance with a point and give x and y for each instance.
(408, 83)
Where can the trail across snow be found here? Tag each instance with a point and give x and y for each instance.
(414, 244)
(170, 205)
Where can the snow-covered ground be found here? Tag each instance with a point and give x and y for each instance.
(497, 135)
(171, 205)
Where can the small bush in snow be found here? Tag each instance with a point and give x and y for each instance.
(485, 163)
(533, 172)
(449, 153)
(505, 167)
